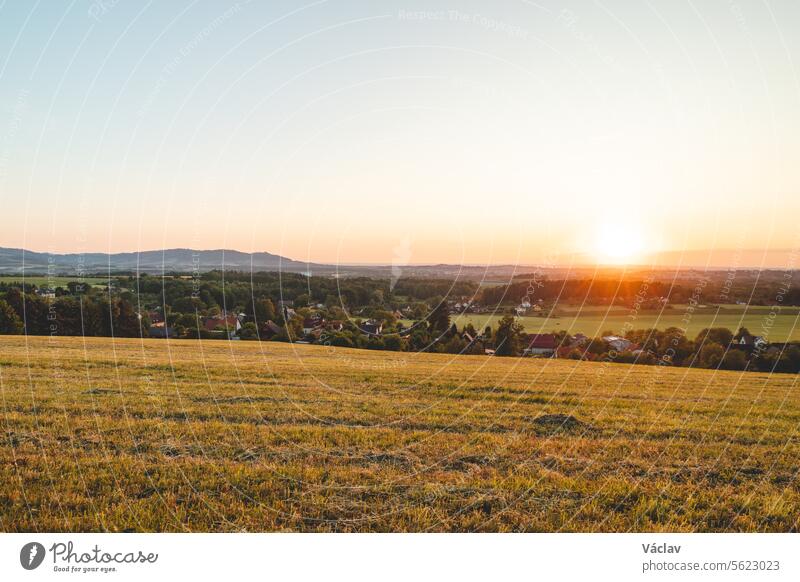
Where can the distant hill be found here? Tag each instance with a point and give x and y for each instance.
(15, 261)
(186, 260)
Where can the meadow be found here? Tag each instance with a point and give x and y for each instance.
(592, 321)
(105, 434)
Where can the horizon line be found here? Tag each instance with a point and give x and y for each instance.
(564, 265)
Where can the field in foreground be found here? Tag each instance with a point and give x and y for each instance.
(125, 435)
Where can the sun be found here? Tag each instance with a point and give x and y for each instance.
(618, 243)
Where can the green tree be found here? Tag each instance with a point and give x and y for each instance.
(508, 337)
(249, 331)
(261, 310)
(455, 345)
(127, 322)
(10, 323)
(792, 359)
(734, 360)
(719, 335)
(394, 342)
(439, 319)
(711, 355)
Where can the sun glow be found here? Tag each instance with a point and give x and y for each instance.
(619, 243)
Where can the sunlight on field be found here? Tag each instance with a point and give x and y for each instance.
(592, 321)
(125, 435)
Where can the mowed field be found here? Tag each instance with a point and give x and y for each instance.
(783, 326)
(129, 435)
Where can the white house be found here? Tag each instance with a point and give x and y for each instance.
(617, 343)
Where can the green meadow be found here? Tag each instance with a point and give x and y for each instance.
(592, 321)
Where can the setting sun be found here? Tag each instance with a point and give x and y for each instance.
(618, 243)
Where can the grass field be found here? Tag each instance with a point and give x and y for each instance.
(125, 435)
(592, 321)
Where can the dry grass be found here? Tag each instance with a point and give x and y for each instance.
(103, 434)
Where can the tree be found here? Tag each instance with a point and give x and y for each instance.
(455, 345)
(792, 359)
(719, 335)
(508, 337)
(261, 310)
(10, 323)
(249, 331)
(127, 322)
(394, 342)
(439, 319)
(711, 355)
(734, 360)
(187, 305)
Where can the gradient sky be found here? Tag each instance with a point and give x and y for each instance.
(416, 132)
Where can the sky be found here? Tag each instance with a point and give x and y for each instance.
(416, 132)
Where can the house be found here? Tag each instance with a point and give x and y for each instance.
(155, 317)
(312, 323)
(476, 342)
(617, 343)
(579, 340)
(371, 327)
(541, 344)
(752, 341)
(46, 293)
(161, 330)
(230, 323)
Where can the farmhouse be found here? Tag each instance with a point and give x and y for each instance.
(541, 344)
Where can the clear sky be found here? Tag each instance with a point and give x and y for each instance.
(419, 131)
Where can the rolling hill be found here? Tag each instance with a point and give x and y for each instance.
(183, 260)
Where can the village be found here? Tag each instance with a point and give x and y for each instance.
(313, 324)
